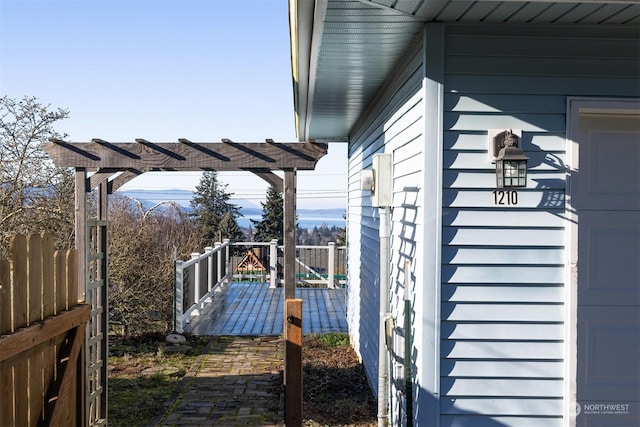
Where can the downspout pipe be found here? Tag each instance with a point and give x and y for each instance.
(408, 381)
(383, 359)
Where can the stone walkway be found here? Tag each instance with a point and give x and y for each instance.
(236, 382)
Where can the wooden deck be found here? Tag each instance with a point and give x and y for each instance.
(251, 308)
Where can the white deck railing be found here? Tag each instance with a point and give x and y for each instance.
(198, 279)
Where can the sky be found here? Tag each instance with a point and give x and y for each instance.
(162, 70)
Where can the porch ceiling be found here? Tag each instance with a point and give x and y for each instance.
(343, 51)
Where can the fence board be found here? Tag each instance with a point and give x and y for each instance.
(72, 278)
(48, 292)
(19, 286)
(60, 275)
(34, 277)
(7, 407)
(34, 304)
(19, 254)
(49, 349)
(7, 403)
(5, 296)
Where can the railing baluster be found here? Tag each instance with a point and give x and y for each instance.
(178, 318)
(273, 264)
(331, 284)
(208, 251)
(196, 279)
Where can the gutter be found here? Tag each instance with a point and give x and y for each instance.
(302, 34)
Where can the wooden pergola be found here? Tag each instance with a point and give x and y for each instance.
(112, 164)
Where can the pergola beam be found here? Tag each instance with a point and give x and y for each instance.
(99, 177)
(123, 178)
(185, 155)
(271, 178)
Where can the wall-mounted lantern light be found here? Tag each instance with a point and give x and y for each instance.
(511, 163)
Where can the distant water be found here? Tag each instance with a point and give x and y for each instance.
(303, 222)
(307, 218)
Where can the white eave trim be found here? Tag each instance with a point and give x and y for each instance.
(300, 24)
(320, 12)
(306, 20)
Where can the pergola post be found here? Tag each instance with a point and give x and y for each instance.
(293, 312)
(81, 229)
(81, 247)
(289, 231)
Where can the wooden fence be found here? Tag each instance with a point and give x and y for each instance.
(42, 331)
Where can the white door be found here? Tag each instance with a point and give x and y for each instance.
(606, 198)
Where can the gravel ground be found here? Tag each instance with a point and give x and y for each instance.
(335, 389)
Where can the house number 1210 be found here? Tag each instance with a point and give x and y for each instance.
(501, 197)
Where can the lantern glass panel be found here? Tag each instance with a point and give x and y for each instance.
(511, 173)
(499, 174)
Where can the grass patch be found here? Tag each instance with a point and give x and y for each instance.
(330, 339)
(143, 375)
(135, 401)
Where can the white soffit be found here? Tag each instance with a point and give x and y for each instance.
(345, 52)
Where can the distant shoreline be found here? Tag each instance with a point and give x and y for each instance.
(308, 218)
(303, 222)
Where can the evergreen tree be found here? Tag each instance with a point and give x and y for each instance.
(210, 204)
(271, 225)
(229, 228)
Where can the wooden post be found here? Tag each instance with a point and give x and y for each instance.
(289, 234)
(81, 231)
(293, 363)
(289, 230)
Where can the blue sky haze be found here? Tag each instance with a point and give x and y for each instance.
(163, 70)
